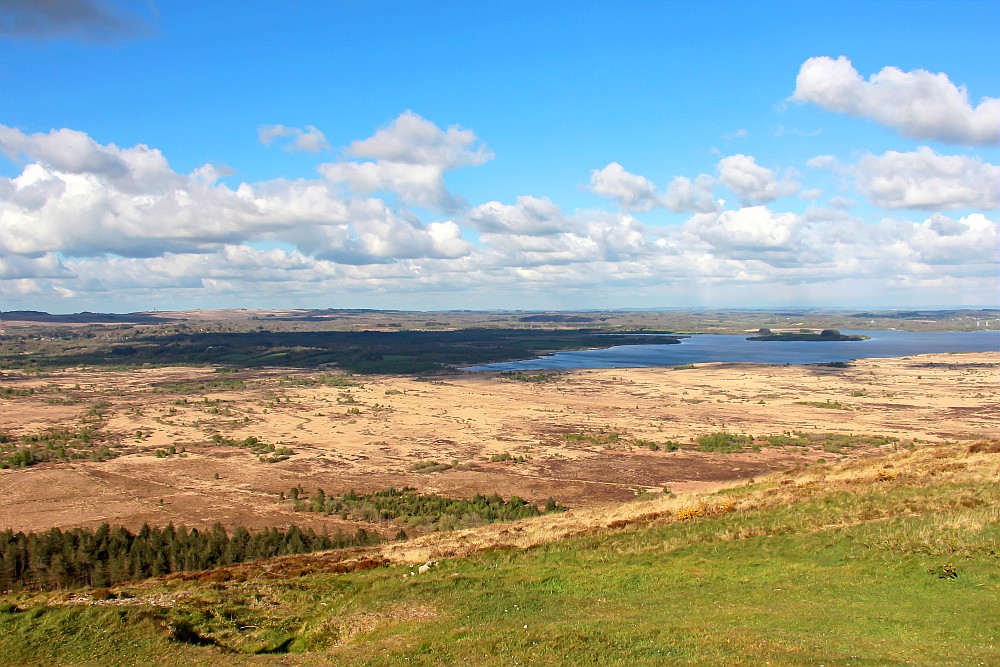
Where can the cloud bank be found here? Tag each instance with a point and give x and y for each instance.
(380, 226)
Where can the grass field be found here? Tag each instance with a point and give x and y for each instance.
(883, 561)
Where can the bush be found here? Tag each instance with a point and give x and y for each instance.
(721, 441)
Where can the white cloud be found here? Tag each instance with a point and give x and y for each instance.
(66, 150)
(416, 184)
(607, 253)
(917, 104)
(308, 140)
(683, 194)
(822, 162)
(922, 179)
(83, 220)
(410, 139)
(755, 228)
(633, 192)
(46, 266)
(638, 194)
(522, 250)
(588, 237)
(267, 134)
(942, 240)
(620, 238)
(410, 157)
(531, 215)
(751, 182)
(83, 199)
(379, 236)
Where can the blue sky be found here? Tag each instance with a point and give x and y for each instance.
(497, 155)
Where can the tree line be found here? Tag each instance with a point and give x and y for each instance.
(410, 508)
(109, 555)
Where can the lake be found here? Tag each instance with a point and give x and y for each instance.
(705, 348)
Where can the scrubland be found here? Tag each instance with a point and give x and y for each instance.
(718, 514)
(882, 560)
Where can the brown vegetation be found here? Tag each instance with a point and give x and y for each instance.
(372, 433)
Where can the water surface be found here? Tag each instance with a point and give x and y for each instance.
(705, 348)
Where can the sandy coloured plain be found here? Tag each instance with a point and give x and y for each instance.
(371, 435)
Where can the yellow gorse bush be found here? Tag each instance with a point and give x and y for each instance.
(704, 509)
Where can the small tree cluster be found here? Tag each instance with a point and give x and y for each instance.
(107, 556)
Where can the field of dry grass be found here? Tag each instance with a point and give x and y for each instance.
(584, 435)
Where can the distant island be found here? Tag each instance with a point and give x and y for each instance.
(804, 335)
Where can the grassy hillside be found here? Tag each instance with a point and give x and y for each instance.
(884, 561)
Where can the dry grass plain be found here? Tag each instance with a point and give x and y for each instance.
(373, 433)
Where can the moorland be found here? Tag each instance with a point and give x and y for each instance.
(356, 431)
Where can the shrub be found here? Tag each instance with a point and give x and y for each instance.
(721, 441)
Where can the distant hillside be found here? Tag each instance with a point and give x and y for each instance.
(889, 560)
(83, 318)
(929, 314)
(550, 317)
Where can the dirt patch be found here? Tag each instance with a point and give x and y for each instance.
(991, 447)
(675, 469)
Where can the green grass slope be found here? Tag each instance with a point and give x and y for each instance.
(887, 561)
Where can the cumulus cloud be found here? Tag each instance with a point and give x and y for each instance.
(612, 252)
(379, 235)
(922, 179)
(943, 240)
(532, 215)
(917, 104)
(410, 139)
(751, 182)
(308, 140)
(523, 250)
(409, 159)
(89, 20)
(84, 199)
(67, 150)
(754, 228)
(639, 194)
(684, 194)
(620, 238)
(83, 219)
(416, 184)
(633, 192)
(46, 266)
